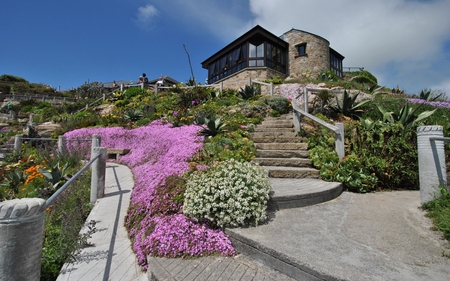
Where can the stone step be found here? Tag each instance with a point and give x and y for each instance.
(284, 162)
(282, 153)
(292, 172)
(282, 146)
(277, 124)
(268, 129)
(274, 133)
(277, 140)
(294, 193)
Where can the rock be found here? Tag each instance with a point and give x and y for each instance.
(104, 109)
(45, 130)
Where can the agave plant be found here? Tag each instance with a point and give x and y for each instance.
(428, 95)
(56, 175)
(248, 92)
(213, 128)
(133, 115)
(406, 116)
(347, 105)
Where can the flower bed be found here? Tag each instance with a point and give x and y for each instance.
(158, 151)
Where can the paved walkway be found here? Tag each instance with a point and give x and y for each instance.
(379, 236)
(111, 257)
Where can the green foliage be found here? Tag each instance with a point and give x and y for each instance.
(349, 171)
(233, 145)
(348, 106)
(386, 152)
(56, 175)
(439, 211)
(281, 104)
(364, 76)
(248, 92)
(275, 80)
(213, 128)
(12, 78)
(63, 221)
(230, 193)
(133, 92)
(328, 75)
(428, 95)
(133, 115)
(11, 183)
(406, 116)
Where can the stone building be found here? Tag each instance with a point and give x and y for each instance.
(258, 54)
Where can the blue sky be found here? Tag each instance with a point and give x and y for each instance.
(405, 43)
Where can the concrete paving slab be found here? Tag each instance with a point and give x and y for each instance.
(377, 236)
(111, 257)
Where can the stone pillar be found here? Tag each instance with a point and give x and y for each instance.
(98, 174)
(21, 236)
(18, 143)
(431, 156)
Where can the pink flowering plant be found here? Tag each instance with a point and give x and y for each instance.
(158, 154)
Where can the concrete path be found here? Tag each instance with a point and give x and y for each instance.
(111, 257)
(377, 236)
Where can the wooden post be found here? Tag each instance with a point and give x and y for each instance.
(62, 142)
(18, 143)
(339, 141)
(98, 174)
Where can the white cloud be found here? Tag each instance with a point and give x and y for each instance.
(145, 16)
(443, 87)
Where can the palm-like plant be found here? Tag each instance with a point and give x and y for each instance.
(133, 115)
(56, 175)
(347, 104)
(406, 116)
(213, 127)
(248, 92)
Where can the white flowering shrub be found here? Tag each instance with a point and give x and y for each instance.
(228, 194)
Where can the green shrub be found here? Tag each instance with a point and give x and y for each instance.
(280, 104)
(230, 193)
(364, 77)
(388, 153)
(12, 78)
(133, 92)
(327, 76)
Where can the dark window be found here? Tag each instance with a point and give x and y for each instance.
(301, 50)
(336, 64)
(247, 55)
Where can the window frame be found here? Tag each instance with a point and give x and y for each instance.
(298, 48)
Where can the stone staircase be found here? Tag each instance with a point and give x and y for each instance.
(295, 183)
(284, 155)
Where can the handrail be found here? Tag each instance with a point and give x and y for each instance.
(91, 104)
(52, 198)
(338, 129)
(444, 139)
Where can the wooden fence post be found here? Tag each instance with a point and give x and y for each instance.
(98, 174)
(18, 143)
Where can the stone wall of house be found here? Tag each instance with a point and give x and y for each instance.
(317, 58)
(241, 79)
